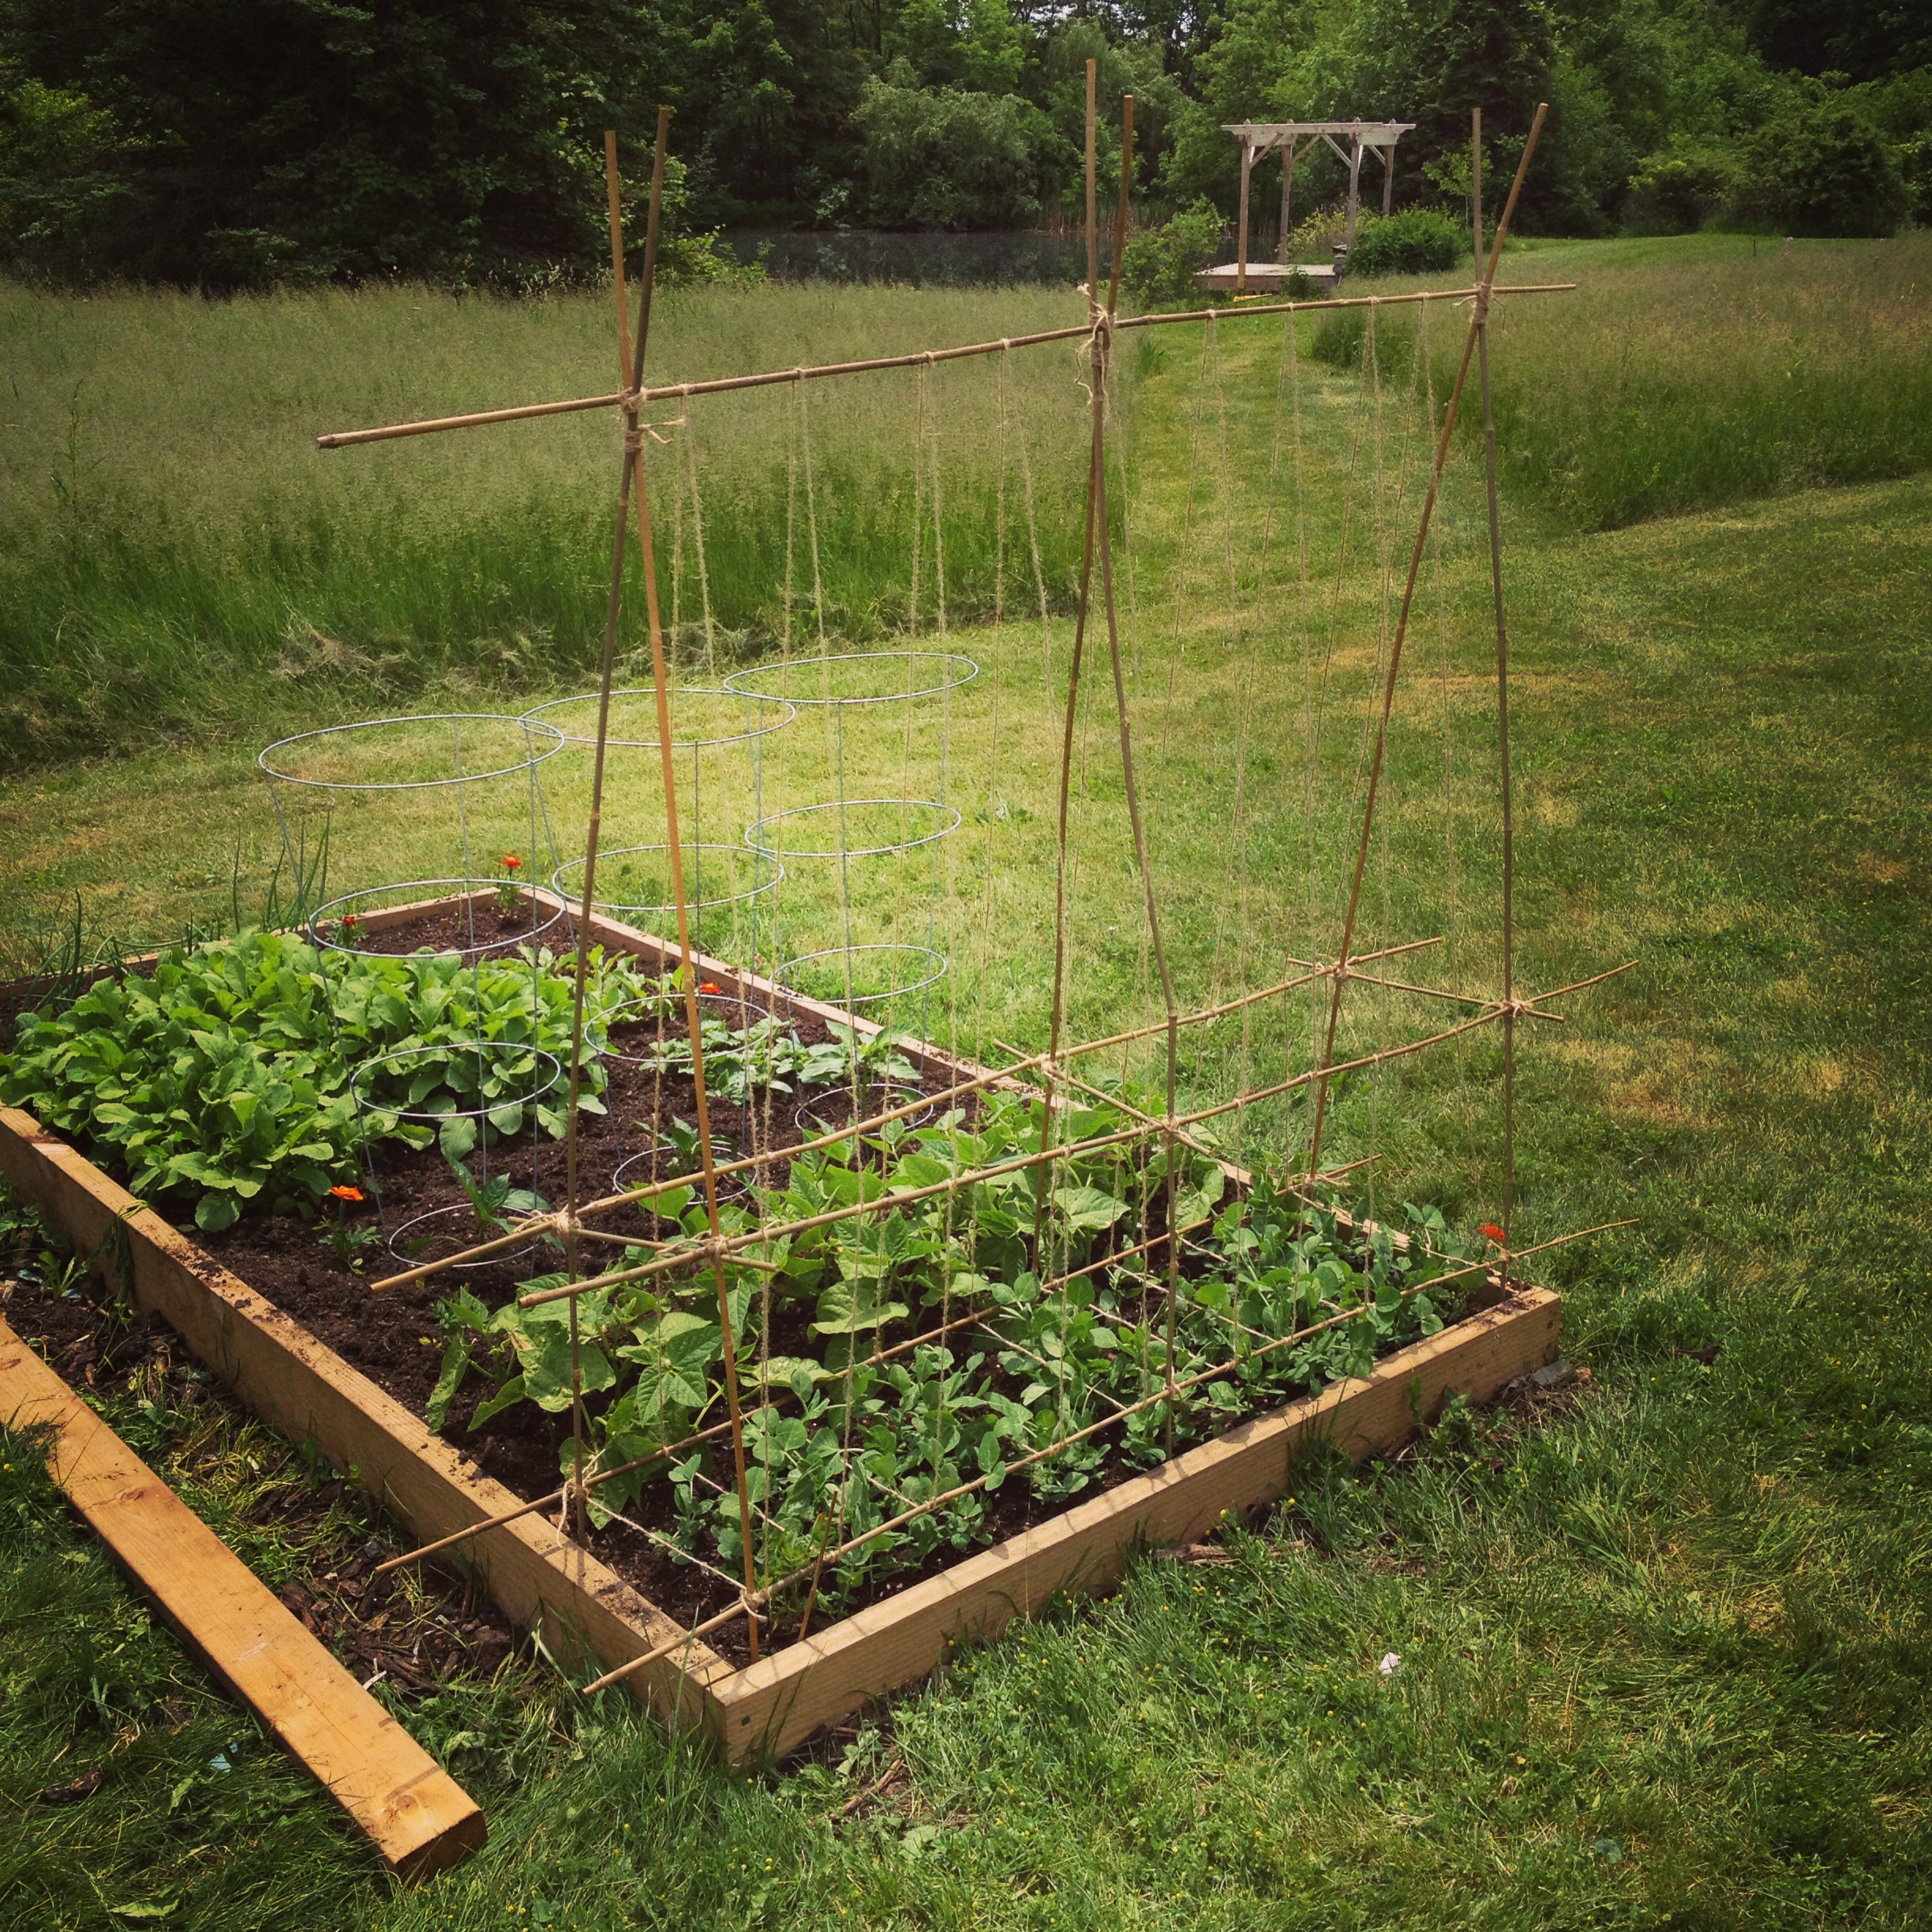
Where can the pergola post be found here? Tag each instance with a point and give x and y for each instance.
(1388, 176)
(1240, 258)
(1281, 246)
(1354, 194)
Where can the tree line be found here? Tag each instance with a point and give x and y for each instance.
(235, 144)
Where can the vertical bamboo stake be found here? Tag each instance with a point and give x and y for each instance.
(634, 446)
(1102, 351)
(1509, 827)
(571, 1244)
(1478, 317)
(1476, 180)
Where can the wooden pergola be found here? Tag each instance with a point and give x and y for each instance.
(1295, 139)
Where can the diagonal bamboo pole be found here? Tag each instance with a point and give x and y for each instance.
(749, 1605)
(1057, 1012)
(613, 610)
(1477, 316)
(734, 1245)
(769, 1156)
(1481, 322)
(633, 449)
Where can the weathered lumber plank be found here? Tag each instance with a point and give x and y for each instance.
(417, 1816)
(771, 1707)
(538, 1576)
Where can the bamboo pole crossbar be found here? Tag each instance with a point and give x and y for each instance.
(766, 379)
(769, 1156)
(732, 1246)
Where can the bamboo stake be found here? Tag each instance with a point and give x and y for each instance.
(748, 1604)
(734, 1244)
(1478, 314)
(634, 447)
(721, 385)
(1481, 325)
(572, 1257)
(1057, 1012)
(1193, 1381)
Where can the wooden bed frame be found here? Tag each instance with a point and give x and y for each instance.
(589, 1616)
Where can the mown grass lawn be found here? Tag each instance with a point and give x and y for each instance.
(1664, 1642)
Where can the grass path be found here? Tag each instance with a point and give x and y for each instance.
(1664, 1654)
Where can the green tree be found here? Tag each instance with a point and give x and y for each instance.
(944, 158)
(61, 162)
(1822, 169)
(264, 139)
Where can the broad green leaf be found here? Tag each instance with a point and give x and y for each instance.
(213, 1212)
(1088, 1209)
(507, 1397)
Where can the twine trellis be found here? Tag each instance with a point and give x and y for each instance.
(1059, 1077)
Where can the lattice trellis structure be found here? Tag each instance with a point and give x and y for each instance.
(1008, 1165)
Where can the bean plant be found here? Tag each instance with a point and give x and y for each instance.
(861, 1431)
(223, 1077)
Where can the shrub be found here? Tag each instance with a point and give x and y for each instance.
(1341, 340)
(1416, 241)
(1822, 169)
(1677, 192)
(1158, 265)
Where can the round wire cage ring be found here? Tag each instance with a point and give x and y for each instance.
(540, 741)
(636, 1171)
(573, 868)
(667, 1009)
(815, 1117)
(436, 1244)
(563, 719)
(942, 821)
(342, 925)
(946, 670)
(542, 1082)
(930, 966)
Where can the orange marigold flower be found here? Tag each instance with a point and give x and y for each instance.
(346, 1193)
(1495, 1232)
(349, 918)
(510, 862)
(710, 986)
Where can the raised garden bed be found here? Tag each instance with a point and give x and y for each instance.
(632, 1597)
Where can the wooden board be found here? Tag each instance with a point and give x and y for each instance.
(538, 1577)
(417, 1816)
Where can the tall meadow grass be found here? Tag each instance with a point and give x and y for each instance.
(1686, 374)
(176, 557)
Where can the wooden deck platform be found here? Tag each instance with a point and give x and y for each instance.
(1266, 278)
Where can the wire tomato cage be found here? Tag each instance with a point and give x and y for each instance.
(435, 955)
(1069, 1121)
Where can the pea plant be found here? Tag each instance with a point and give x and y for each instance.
(224, 1077)
(1060, 1325)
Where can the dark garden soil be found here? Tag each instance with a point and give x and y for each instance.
(394, 1338)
